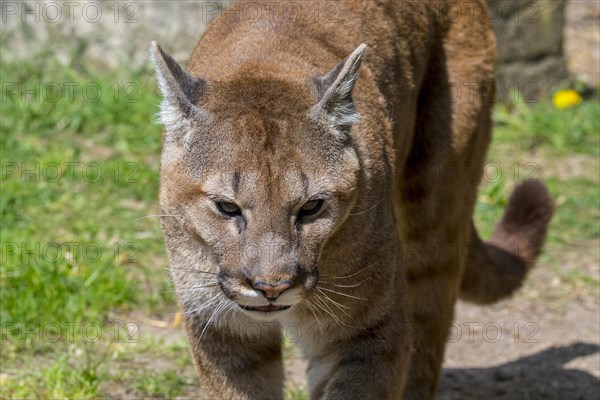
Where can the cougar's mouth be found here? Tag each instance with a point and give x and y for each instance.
(267, 309)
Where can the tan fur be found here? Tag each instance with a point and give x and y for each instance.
(271, 114)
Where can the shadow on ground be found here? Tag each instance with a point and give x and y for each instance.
(539, 376)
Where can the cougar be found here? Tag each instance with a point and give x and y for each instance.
(305, 187)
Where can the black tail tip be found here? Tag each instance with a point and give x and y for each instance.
(526, 219)
(530, 204)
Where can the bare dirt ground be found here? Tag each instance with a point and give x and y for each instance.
(527, 347)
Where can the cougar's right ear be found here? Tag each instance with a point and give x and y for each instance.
(181, 93)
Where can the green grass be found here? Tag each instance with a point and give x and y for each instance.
(165, 384)
(563, 132)
(59, 283)
(73, 246)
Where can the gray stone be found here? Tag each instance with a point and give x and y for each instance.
(529, 35)
(110, 34)
(106, 33)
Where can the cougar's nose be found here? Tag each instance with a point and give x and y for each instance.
(271, 290)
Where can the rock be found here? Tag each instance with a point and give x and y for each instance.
(104, 33)
(109, 34)
(529, 37)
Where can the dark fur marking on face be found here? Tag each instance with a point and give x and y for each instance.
(235, 183)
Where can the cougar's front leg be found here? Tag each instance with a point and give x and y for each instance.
(369, 364)
(433, 293)
(243, 362)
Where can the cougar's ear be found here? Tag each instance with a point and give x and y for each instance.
(180, 90)
(335, 91)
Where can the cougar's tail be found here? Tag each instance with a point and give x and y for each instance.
(495, 269)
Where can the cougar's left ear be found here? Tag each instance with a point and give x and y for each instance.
(335, 91)
(180, 91)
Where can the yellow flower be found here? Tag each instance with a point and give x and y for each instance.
(564, 99)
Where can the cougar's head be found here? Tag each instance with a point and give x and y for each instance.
(259, 172)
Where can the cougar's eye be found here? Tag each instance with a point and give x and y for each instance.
(310, 208)
(227, 208)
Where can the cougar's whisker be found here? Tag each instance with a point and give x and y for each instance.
(345, 286)
(344, 294)
(311, 308)
(154, 216)
(191, 288)
(320, 306)
(220, 307)
(369, 209)
(209, 303)
(355, 273)
(329, 311)
(192, 270)
(338, 305)
(330, 299)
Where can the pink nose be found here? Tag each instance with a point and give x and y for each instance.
(271, 290)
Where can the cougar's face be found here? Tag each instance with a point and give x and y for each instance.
(263, 195)
(260, 171)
